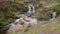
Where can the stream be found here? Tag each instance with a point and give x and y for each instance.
(29, 12)
(25, 16)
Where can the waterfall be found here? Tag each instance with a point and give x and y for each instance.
(29, 6)
(31, 9)
(53, 15)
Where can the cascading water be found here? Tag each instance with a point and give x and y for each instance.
(53, 16)
(31, 9)
(29, 12)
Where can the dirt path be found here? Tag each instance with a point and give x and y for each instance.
(53, 24)
(49, 32)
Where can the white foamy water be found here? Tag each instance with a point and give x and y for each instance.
(53, 16)
(31, 9)
(17, 20)
(31, 20)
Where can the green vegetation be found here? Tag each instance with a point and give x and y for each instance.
(56, 7)
(58, 1)
(8, 12)
(56, 27)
